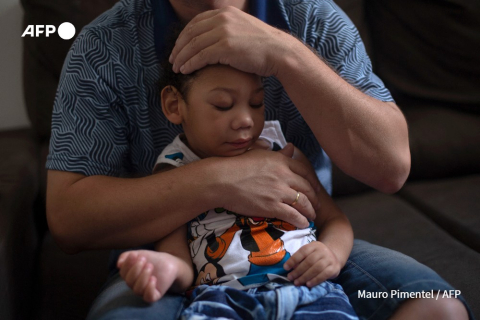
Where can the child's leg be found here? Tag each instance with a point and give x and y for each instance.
(151, 274)
(148, 273)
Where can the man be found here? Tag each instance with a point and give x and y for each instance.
(108, 126)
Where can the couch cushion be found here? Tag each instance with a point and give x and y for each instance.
(393, 223)
(428, 49)
(18, 235)
(69, 283)
(443, 142)
(343, 184)
(453, 204)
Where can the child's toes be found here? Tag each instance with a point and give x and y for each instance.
(122, 259)
(141, 281)
(127, 260)
(151, 293)
(128, 264)
(135, 271)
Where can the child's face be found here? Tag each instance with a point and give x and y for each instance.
(224, 112)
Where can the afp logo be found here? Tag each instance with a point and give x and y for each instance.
(66, 30)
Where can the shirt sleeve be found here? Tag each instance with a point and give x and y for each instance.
(176, 154)
(327, 29)
(89, 122)
(273, 135)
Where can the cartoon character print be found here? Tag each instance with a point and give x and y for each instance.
(209, 274)
(260, 236)
(195, 230)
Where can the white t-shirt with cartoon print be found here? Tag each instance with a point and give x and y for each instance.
(232, 249)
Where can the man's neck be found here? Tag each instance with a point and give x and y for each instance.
(186, 10)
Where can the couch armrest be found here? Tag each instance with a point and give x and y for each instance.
(18, 234)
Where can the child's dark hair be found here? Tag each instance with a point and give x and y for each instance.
(169, 78)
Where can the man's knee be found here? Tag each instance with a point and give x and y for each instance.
(441, 309)
(449, 308)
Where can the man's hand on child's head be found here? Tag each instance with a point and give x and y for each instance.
(232, 37)
(312, 264)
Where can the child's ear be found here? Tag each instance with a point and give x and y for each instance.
(171, 100)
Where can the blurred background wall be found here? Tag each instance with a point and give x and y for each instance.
(12, 105)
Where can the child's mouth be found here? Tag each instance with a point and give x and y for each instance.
(240, 143)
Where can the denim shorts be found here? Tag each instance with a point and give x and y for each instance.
(371, 268)
(270, 301)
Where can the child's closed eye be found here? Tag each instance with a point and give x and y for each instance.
(223, 107)
(257, 106)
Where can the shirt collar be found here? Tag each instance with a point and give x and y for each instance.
(164, 18)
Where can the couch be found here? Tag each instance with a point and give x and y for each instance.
(427, 54)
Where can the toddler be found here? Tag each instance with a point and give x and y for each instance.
(233, 265)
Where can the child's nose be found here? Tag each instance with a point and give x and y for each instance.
(242, 120)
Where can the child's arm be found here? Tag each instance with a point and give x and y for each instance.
(323, 259)
(151, 274)
(176, 245)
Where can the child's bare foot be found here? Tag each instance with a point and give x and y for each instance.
(148, 273)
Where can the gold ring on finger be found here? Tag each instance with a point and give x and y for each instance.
(296, 199)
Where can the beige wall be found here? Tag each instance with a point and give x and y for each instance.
(12, 106)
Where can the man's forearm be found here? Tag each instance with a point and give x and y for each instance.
(365, 137)
(105, 212)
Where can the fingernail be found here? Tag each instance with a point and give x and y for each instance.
(182, 68)
(173, 68)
